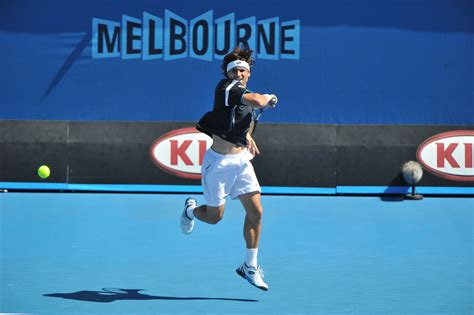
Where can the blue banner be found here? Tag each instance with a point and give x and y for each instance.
(329, 62)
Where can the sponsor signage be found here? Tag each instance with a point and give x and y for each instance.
(204, 37)
(181, 152)
(449, 155)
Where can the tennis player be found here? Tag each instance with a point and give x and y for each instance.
(226, 169)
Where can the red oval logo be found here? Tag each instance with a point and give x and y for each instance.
(180, 152)
(449, 155)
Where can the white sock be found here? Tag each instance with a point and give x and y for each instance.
(190, 212)
(251, 259)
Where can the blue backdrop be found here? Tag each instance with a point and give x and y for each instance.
(357, 62)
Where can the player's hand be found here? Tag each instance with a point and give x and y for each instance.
(272, 100)
(252, 146)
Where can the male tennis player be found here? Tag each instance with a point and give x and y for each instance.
(226, 168)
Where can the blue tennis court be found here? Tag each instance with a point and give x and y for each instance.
(65, 253)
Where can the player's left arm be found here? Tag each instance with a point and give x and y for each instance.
(251, 144)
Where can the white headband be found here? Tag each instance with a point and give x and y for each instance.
(237, 63)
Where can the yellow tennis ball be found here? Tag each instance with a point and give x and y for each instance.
(44, 171)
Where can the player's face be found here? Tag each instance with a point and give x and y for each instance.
(240, 74)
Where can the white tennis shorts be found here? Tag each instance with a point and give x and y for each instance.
(229, 174)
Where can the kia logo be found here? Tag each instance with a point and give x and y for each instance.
(449, 155)
(181, 152)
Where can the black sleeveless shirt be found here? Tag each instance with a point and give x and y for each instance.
(230, 119)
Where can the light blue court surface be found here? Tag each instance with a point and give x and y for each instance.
(125, 254)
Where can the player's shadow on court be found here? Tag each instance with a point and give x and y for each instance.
(110, 295)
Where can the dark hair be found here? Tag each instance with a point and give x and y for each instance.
(237, 53)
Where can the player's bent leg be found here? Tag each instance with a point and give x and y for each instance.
(208, 214)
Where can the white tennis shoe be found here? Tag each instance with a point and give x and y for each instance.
(253, 275)
(187, 224)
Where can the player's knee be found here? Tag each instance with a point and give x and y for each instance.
(256, 215)
(216, 215)
(216, 218)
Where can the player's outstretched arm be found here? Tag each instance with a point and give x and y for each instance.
(260, 100)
